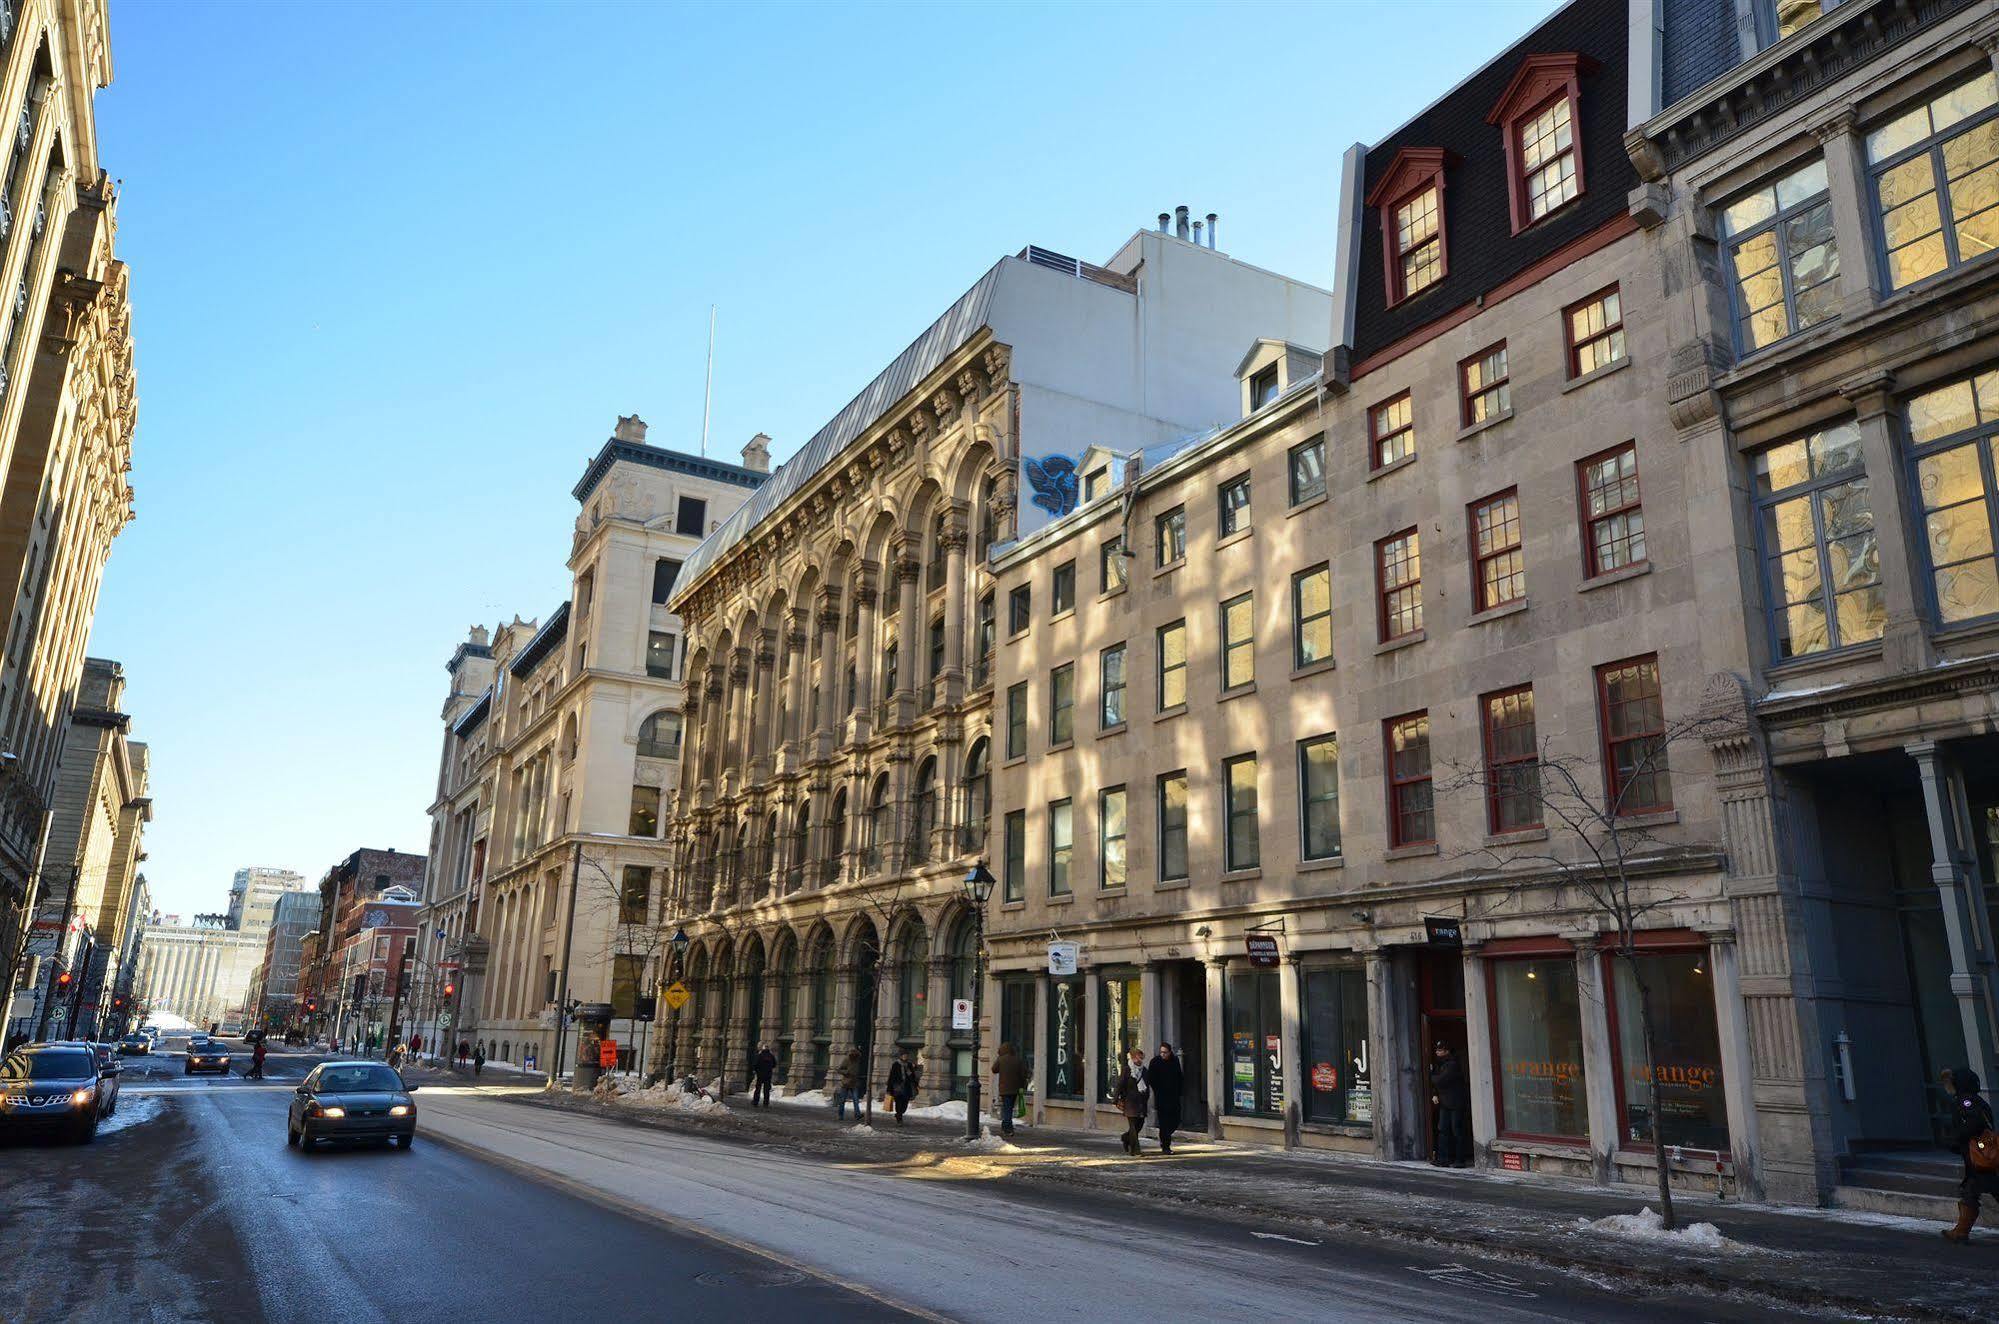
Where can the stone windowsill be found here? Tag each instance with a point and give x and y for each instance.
(1401, 641)
(1417, 851)
(1316, 866)
(1663, 818)
(1064, 899)
(1177, 710)
(1388, 469)
(1236, 693)
(1108, 731)
(1310, 503)
(1501, 612)
(1169, 567)
(1313, 668)
(1060, 746)
(1596, 374)
(1240, 535)
(1242, 875)
(1171, 885)
(1067, 613)
(1523, 837)
(1467, 433)
(1617, 576)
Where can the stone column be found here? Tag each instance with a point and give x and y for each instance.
(798, 1079)
(1038, 1050)
(1479, 1072)
(741, 727)
(1600, 1064)
(716, 736)
(1392, 1033)
(1905, 644)
(1954, 870)
(865, 645)
(1093, 1046)
(1852, 226)
(909, 586)
(1217, 1039)
(952, 678)
(828, 720)
(1290, 995)
(734, 1057)
(937, 1032)
(1151, 1027)
(764, 708)
(1736, 1072)
(797, 622)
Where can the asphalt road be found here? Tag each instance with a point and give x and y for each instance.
(189, 1206)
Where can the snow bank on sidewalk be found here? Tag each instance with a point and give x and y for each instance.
(1647, 1226)
(860, 1129)
(951, 1110)
(988, 1143)
(666, 1098)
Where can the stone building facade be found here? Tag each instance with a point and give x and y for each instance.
(67, 412)
(843, 631)
(562, 747)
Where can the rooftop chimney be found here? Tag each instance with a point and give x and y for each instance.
(1212, 218)
(1165, 221)
(1180, 220)
(632, 428)
(479, 636)
(756, 455)
(1198, 242)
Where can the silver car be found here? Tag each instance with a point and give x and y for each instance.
(352, 1101)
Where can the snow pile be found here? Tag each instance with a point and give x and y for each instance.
(860, 1129)
(805, 1099)
(1647, 1226)
(668, 1098)
(951, 1110)
(988, 1143)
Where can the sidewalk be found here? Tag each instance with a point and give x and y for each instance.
(1835, 1260)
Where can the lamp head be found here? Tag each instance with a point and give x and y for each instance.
(979, 882)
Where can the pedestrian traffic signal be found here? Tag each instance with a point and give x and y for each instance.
(450, 988)
(62, 980)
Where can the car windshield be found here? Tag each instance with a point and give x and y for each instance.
(62, 1064)
(357, 1079)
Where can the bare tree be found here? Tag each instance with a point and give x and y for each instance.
(634, 939)
(1602, 854)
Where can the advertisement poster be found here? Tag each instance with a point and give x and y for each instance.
(1273, 1048)
(1243, 1063)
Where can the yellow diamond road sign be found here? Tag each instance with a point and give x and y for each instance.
(677, 995)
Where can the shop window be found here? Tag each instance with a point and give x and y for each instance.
(1783, 261)
(1308, 470)
(1484, 388)
(1016, 1019)
(1398, 583)
(1595, 331)
(912, 986)
(1119, 1009)
(1633, 717)
(1062, 704)
(1411, 817)
(1232, 502)
(1312, 616)
(1173, 826)
(1065, 1038)
(1820, 554)
(1254, 1016)
(1499, 568)
(1339, 1087)
(1062, 593)
(1935, 169)
(1954, 439)
(1512, 761)
(1613, 518)
(1391, 431)
(1170, 533)
(1238, 642)
(1172, 665)
(1111, 686)
(1538, 1048)
(1692, 1110)
(1111, 836)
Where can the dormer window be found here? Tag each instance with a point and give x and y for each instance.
(1537, 117)
(1410, 199)
(1262, 388)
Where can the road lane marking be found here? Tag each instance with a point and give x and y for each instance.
(1279, 1236)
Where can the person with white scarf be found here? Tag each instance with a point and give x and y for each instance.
(1131, 1099)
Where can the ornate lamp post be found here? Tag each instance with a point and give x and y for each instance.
(979, 888)
(679, 943)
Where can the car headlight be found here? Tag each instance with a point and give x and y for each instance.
(84, 1095)
(400, 1110)
(332, 1112)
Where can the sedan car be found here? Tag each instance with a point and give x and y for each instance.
(53, 1087)
(352, 1101)
(109, 1068)
(205, 1054)
(135, 1045)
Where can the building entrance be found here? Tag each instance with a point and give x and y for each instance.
(1440, 1004)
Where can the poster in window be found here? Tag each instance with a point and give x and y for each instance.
(1692, 1110)
(1242, 1058)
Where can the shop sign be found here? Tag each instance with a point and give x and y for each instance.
(1512, 1161)
(961, 1013)
(1444, 932)
(1273, 1046)
(1325, 1077)
(1262, 949)
(1062, 957)
(677, 995)
(607, 1053)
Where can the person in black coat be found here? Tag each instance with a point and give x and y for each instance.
(762, 1066)
(903, 1078)
(1970, 1118)
(1168, 1080)
(1451, 1093)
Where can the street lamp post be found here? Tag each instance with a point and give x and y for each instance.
(679, 943)
(979, 887)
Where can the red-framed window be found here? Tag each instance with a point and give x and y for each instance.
(1398, 583)
(1499, 567)
(1391, 431)
(1631, 713)
(1534, 1017)
(1594, 330)
(1483, 393)
(1411, 808)
(1409, 198)
(1539, 116)
(1676, 967)
(1512, 760)
(1613, 518)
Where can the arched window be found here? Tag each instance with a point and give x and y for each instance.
(964, 975)
(977, 800)
(983, 547)
(836, 840)
(659, 736)
(767, 866)
(925, 819)
(881, 825)
(570, 742)
(819, 985)
(983, 638)
(801, 841)
(912, 983)
(937, 565)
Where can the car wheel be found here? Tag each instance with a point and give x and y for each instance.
(187, 1069)
(86, 1134)
(404, 1142)
(291, 1136)
(306, 1140)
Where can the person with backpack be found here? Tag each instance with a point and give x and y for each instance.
(1971, 1137)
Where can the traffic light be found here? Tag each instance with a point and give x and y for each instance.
(449, 988)
(62, 980)
(118, 1004)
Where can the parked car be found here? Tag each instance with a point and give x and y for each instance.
(53, 1087)
(109, 1069)
(135, 1045)
(352, 1101)
(205, 1054)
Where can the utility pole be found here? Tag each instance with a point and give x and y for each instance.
(568, 939)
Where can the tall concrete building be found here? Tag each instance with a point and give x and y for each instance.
(843, 630)
(210, 970)
(274, 988)
(254, 895)
(67, 411)
(561, 753)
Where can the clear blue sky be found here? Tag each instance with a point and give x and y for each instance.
(397, 268)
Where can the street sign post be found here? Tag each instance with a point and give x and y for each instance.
(607, 1053)
(961, 1013)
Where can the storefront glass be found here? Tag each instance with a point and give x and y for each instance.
(1539, 1048)
(1065, 1038)
(1016, 1020)
(1119, 1004)
(1692, 1110)
(1254, 1065)
(1339, 1085)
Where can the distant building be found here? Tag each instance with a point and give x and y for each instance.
(344, 893)
(254, 895)
(276, 996)
(211, 969)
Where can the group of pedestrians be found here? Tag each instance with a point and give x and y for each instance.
(1159, 1084)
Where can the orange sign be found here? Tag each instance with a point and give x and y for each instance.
(607, 1053)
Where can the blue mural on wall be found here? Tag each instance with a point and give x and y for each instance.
(1053, 479)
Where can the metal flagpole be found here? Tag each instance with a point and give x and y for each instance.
(708, 391)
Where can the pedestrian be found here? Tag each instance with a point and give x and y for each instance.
(850, 1086)
(478, 1058)
(464, 1052)
(1009, 1082)
(764, 1066)
(1130, 1099)
(1972, 1138)
(903, 1077)
(256, 1071)
(416, 1045)
(1166, 1080)
(1450, 1094)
